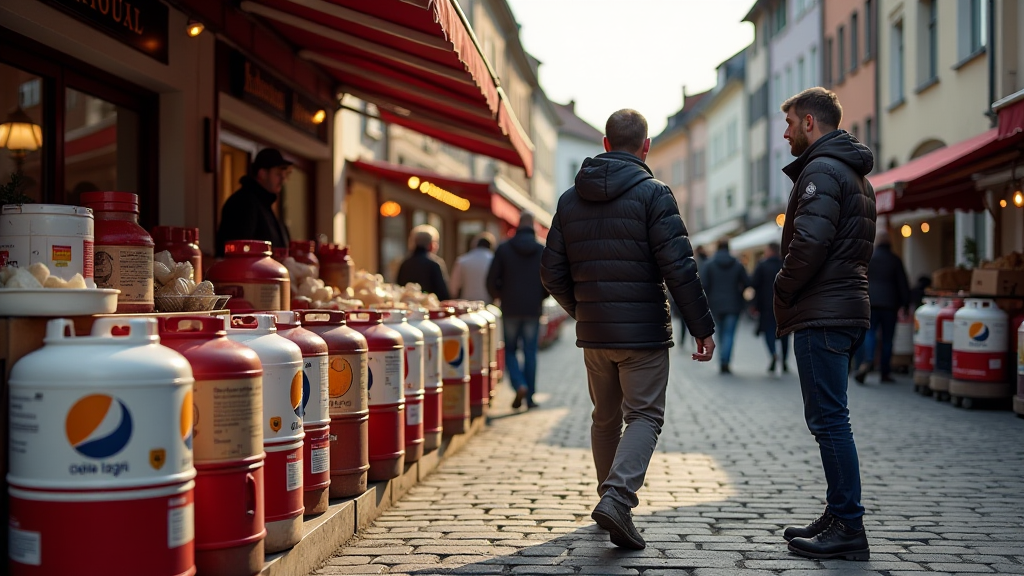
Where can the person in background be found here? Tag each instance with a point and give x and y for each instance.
(763, 283)
(469, 274)
(724, 280)
(889, 293)
(514, 280)
(423, 266)
(917, 292)
(249, 213)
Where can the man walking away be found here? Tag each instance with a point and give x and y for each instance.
(821, 296)
(423, 266)
(763, 282)
(616, 240)
(724, 280)
(887, 287)
(514, 279)
(469, 274)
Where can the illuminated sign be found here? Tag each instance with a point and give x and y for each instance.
(439, 194)
(141, 24)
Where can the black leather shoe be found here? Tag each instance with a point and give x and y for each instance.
(837, 541)
(886, 379)
(811, 530)
(771, 367)
(862, 373)
(617, 519)
(520, 394)
(724, 369)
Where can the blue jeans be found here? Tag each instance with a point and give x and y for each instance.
(823, 360)
(883, 319)
(770, 339)
(522, 330)
(725, 327)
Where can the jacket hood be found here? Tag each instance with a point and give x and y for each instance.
(525, 242)
(607, 176)
(723, 259)
(838, 144)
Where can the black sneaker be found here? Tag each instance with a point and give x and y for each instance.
(862, 373)
(617, 519)
(812, 529)
(520, 394)
(837, 541)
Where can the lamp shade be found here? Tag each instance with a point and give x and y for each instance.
(20, 133)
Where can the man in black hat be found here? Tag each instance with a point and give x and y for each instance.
(248, 214)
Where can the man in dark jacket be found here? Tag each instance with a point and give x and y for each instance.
(423, 266)
(887, 286)
(821, 295)
(249, 214)
(724, 280)
(763, 282)
(514, 278)
(616, 240)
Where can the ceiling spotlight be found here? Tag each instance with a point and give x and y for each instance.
(319, 117)
(1018, 199)
(195, 28)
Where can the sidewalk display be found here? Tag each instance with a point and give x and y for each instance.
(432, 384)
(182, 244)
(492, 349)
(980, 344)
(123, 250)
(227, 436)
(413, 339)
(176, 289)
(454, 370)
(924, 342)
(944, 333)
(479, 364)
(255, 281)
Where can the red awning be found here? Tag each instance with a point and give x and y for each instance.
(478, 193)
(417, 60)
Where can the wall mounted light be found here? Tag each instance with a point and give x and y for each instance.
(195, 28)
(925, 227)
(906, 231)
(1002, 203)
(390, 209)
(319, 117)
(413, 183)
(1018, 199)
(21, 135)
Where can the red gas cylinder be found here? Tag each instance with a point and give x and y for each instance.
(479, 364)
(336, 267)
(432, 386)
(304, 252)
(413, 381)
(492, 348)
(385, 390)
(924, 341)
(316, 417)
(227, 442)
(282, 425)
(123, 250)
(944, 332)
(501, 341)
(254, 280)
(347, 402)
(454, 370)
(179, 242)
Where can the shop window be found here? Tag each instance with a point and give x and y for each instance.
(93, 160)
(294, 203)
(21, 130)
(394, 244)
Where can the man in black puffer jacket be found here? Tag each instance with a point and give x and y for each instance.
(616, 240)
(821, 295)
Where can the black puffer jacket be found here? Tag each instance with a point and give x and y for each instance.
(828, 236)
(616, 240)
(514, 275)
(724, 280)
(887, 280)
(249, 215)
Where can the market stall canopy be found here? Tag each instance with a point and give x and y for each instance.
(713, 234)
(417, 60)
(757, 236)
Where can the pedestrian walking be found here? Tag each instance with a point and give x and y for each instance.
(423, 266)
(889, 293)
(469, 274)
(615, 242)
(514, 280)
(821, 296)
(763, 283)
(724, 280)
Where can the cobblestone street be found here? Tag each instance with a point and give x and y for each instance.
(943, 486)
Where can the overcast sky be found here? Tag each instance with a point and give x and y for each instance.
(612, 54)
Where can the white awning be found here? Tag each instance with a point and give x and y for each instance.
(711, 235)
(757, 236)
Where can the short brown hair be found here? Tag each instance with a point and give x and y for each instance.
(626, 130)
(823, 105)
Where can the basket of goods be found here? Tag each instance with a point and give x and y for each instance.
(175, 288)
(951, 279)
(34, 291)
(310, 292)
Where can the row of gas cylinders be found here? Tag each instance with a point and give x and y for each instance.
(166, 446)
(967, 349)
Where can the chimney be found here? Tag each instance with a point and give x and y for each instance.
(572, 106)
(684, 96)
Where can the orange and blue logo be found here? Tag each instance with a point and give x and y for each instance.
(99, 426)
(297, 392)
(978, 331)
(305, 395)
(453, 353)
(369, 378)
(187, 413)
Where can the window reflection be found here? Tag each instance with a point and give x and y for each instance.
(93, 160)
(21, 120)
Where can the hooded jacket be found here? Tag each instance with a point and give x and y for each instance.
(724, 280)
(828, 237)
(887, 280)
(249, 215)
(427, 269)
(615, 242)
(514, 276)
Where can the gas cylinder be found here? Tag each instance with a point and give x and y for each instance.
(980, 342)
(227, 441)
(178, 241)
(414, 384)
(943, 365)
(347, 400)
(903, 341)
(1018, 400)
(501, 342)
(254, 280)
(432, 385)
(101, 477)
(304, 252)
(316, 416)
(454, 370)
(492, 348)
(479, 364)
(123, 252)
(385, 391)
(282, 425)
(336, 267)
(924, 342)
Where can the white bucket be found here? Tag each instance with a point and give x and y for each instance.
(57, 235)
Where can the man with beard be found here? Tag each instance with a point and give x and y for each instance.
(821, 296)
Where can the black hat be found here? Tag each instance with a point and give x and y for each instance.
(268, 158)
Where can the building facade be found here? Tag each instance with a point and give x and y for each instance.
(577, 141)
(728, 191)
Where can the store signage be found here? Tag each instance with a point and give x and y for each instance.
(255, 85)
(141, 24)
(885, 201)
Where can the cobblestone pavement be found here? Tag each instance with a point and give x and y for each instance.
(943, 486)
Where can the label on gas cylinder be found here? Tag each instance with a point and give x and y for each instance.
(258, 296)
(227, 419)
(180, 524)
(125, 268)
(320, 456)
(282, 402)
(384, 377)
(347, 376)
(454, 402)
(979, 335)
(25, 546)
(432, 364)
(294, 472)
(316, 390)
(455, 357)
(1020, 355)
(948, 329)
(413, 369)
(89, 437)
(413, 413)
(924, 331)
(477, 351)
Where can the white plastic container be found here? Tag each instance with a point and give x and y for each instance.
(57, 235)
(980, 342)
(413, 383)
(924, 339)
